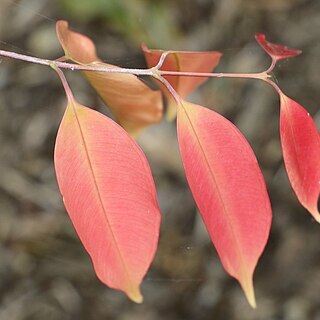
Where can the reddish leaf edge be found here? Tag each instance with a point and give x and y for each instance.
(312, 208)
(293, 162)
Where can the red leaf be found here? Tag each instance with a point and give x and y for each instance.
(184, 61)
(228, 188)
(110, 196)
(133, 103)
(301, 153)
(276, 51)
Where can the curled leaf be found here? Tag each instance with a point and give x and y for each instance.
(183, 61)
(229, 189)
(133, 103)
(301, 153)
(276, 51)
(109, 193)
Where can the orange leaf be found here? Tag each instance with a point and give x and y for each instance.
(110, 196)
(301, 153)
(185, 61)
(228, 187)
(132, 102)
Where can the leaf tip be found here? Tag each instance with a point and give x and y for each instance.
(316, 215)
(135, 295)
(247, 287)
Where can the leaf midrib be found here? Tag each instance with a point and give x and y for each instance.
(96, 186)
(226, 214)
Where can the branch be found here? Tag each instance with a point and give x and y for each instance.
(153, 72)
(72, 66)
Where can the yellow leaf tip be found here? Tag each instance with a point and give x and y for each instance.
(315, 213)
(247, 287)
(135, 295)
(316, 216)
(252, 301)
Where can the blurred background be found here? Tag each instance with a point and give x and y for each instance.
(44, 271)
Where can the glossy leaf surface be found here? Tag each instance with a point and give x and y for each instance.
(132, 102)
(301, 153)
(185, 61)
(228, 187)
(110, 196)
(276, 51)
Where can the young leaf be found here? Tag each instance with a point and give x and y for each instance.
(301, 153)
(276, 51)
(185, 61)
(132, 102)
(109, 193)
(228, 188)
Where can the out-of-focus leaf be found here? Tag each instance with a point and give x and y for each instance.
(109, 193)
(228, 187)
(276, 51)
(133, 103)
(155, 22)
(184, 61)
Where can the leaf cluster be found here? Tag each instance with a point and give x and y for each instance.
(106, 182)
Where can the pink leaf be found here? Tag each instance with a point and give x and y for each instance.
(228, 188)
(183, 61)
(301, 153)
(276, 51)
(110, 196)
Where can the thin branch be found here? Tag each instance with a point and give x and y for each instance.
(73, 66)
(162, 59)
(272, 65)
(273, 84)
(139, 72)
(259, 75)
(64, 83)
(173, 92)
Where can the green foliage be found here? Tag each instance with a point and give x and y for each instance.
(138, 20)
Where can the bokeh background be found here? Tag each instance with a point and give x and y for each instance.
(44, 271)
